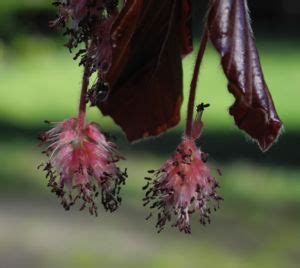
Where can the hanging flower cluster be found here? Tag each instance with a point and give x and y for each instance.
(83, 161)
(182, 186)
(136, 48)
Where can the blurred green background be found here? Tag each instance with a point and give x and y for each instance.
(257, 225)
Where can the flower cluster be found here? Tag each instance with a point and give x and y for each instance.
(82, 18)
(182, 186)
(82, 164)
(88, 24)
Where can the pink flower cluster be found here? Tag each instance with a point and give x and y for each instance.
(182, 186)
(82, 163)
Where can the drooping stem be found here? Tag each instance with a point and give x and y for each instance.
(84, 89)
(193, 87)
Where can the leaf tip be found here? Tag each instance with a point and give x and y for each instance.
(272, 133)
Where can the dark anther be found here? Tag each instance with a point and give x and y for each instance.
(42, 137)
(146, 186)
(149, 216)
(201, 107)
(181, 174)
(175, 163)
(204, 157)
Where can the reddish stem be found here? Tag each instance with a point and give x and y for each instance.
(193, 87)
(84, 89)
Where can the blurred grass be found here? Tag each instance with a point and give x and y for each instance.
(13, 5)
(50, 81)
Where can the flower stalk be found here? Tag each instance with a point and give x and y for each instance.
(82, 161)
(193, 87)
(83, 95)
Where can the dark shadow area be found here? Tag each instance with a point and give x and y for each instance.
(222, 146)
(271, 18)
(25, 22)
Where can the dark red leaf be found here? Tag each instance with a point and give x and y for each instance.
(186, 28)
(230, 32)
(145, 74)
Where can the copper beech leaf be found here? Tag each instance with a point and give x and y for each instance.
(230, 32)
(145, 73)
(186, 28)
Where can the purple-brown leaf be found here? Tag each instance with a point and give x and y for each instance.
(145, 74)
(230, 32)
